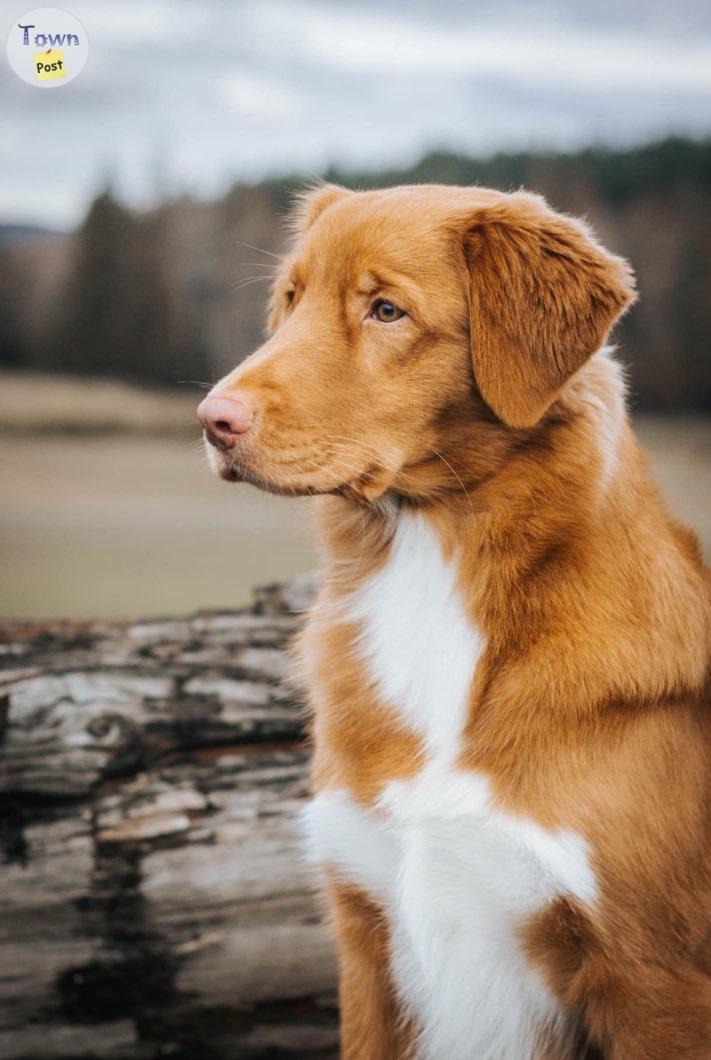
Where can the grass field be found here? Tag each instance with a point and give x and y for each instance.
(126, 525)
(130, 522)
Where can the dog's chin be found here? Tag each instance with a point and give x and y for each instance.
(229, 470)
(364, 490)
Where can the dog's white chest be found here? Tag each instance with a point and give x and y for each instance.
(456, 876)
(420, 648)
(457, 880)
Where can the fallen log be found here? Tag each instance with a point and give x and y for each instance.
(155, 903)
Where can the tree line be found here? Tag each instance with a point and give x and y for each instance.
(178, 292)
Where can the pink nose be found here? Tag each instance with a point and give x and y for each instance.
(223, 419)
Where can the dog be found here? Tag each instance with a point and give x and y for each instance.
(508, 658)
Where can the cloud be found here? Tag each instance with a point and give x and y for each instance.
(151, 22)
(254, 95)
(206, 91)
(371, 43)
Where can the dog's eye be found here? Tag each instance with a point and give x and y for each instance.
(386, 312)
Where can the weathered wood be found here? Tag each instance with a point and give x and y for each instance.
(155, 900)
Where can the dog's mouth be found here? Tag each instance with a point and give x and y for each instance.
(232, 466)
(233, 471)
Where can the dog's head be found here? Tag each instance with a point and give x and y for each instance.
(414, 333)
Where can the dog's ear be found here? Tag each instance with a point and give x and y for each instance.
(308, 205)
(543, 297)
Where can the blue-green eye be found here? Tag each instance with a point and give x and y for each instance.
(386, 312)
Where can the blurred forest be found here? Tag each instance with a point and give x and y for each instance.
(177, 293)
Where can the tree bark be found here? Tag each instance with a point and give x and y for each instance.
(155, 900)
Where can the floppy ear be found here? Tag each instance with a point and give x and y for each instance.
(543, 297)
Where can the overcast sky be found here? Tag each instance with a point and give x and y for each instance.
(191, 94)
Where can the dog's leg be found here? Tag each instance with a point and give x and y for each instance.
(664, 1016)
(372, 1025)
(649, 1009)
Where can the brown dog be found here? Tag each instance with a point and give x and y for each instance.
(508, 655)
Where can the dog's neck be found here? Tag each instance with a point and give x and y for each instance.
(542, 491)
(565, 542)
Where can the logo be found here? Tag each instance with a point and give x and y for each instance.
(47, 47)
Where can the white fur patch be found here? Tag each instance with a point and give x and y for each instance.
(456, 875)
(420, 646)
(469, 877)
(608, 407)
(355, 843)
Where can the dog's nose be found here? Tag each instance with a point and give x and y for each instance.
(223, 419)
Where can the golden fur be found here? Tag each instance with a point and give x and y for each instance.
(489, 408)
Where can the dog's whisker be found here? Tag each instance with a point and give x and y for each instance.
(260, 250)
(447, 464)
(246, 283)
(195, 382)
